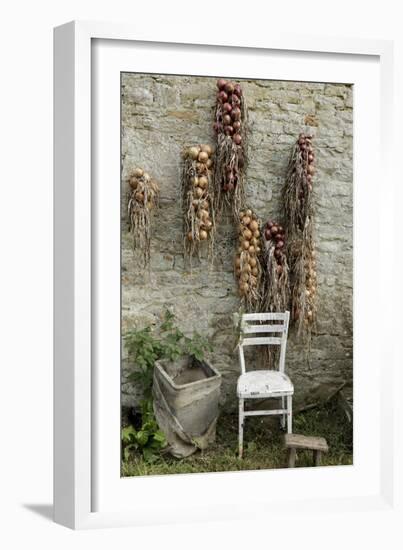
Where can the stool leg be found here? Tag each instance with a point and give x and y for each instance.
(318, 456)
(291, 457)
(241, 420)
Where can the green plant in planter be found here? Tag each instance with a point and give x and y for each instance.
(145, 347)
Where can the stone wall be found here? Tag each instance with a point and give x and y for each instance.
(161, 114)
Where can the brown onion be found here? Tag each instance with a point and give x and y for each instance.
(229, 87)
(133, 183)
(254, 225)
(203, 182)
(203, 156)
(203, 235)
(138, 172)
(193, 152)
(207, 149)
(245, 245)
(251, 249)
(255, 271)
(247, 234)
(244, 287)
(246, 220)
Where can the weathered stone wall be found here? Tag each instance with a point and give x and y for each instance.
(161, 114)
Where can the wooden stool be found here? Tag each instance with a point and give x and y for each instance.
(293, 442)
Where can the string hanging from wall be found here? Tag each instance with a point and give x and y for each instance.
(231, 152)
(142, 199)
(198, 199)
(248, 270)
(276, 287)
(299, 220)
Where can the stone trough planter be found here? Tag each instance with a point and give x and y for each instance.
(186, 395)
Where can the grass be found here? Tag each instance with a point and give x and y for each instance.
(263, 447)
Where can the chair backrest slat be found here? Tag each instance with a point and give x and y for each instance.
(262, 341)
(270, 316)
(254, 329)
(248, 330)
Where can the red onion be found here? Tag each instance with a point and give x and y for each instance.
(221, 82)
(229, 87)
(238, 90)
(226, 119)
(274, 230)
(222, 96)
(237, 125)
(237, 139)
(236, 113)
(267, 234)
(227, 107)
(228, 130)
(279, 244)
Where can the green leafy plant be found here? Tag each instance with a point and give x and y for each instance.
(145, 347)
(149, 440)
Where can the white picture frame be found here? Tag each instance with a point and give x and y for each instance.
(79, 310)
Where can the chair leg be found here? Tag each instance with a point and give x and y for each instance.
(282, 418)
(241, 420)
(289, 414)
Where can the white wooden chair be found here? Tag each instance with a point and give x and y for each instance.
(256, 330)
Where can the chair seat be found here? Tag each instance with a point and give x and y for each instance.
(264, 383)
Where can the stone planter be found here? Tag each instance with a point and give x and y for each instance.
(186, 395)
